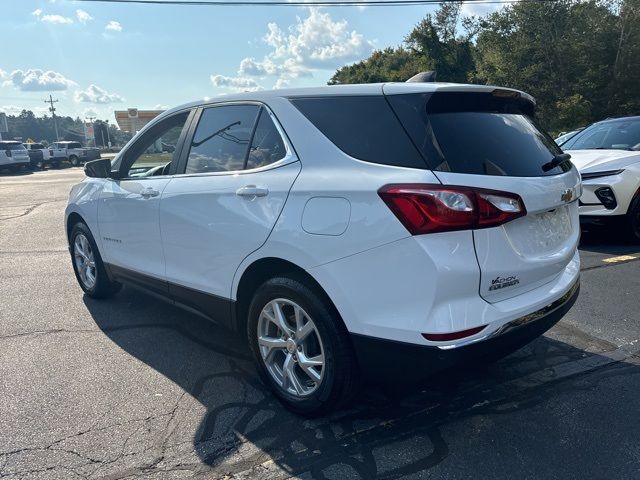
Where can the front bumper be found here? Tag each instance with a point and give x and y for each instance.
(389, 361)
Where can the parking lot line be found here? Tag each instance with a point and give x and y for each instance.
(620, 258)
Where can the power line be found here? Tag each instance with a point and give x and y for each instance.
(310, 3)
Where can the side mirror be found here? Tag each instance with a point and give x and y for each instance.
(100, 168)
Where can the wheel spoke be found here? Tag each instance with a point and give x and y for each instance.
(280, 320)
(271, 345)
(307, 364)
(305, 330)
(288, 369)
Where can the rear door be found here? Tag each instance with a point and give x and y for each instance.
(222, 206)
(489, 140)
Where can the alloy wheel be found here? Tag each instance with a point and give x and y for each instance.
(291, 347)
(85, 261)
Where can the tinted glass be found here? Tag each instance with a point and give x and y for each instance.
(617, 135)
(153, 153)
(221, 141)
(74, 145)
(267, 145)
(363, 127)
(477, 134)
(37, 145)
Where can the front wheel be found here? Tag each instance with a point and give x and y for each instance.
(633, 220)
(88, 265)
(301, 347)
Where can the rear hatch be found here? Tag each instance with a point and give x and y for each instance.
(487, 139)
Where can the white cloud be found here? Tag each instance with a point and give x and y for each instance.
(318, 42)
(55, 19)
(114, 26)
(3, 74)
(312, 43)
(281, 83)
(89, 112)
(160, 106)
(16, 110)
(83, 17)
(38, 80)
(235, 83)
(95, 94)
(37, 12)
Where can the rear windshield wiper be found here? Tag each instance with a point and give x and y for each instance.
(555, 161)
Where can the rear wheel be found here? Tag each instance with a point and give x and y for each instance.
(75, 161)
(301, 347)
(88, 266)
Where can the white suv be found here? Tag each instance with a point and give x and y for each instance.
(377, 231)
(13, 155)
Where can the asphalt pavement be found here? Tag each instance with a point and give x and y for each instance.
(135, 388)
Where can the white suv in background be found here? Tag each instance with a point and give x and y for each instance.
(349, 231)
(607, 154)
(13, 155)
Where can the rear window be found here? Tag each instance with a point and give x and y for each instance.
(477, 133)
(74, 145)
(11, 146)
(37, 145)
(363, 127)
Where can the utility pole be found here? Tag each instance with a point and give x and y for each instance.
(52, 109)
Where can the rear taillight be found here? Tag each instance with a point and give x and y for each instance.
(441, 208)
(8, 152)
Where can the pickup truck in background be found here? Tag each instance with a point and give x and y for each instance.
(73, 152)
(40, 156)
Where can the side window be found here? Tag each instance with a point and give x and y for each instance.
(221, 141)
(267, 145)
(153, 153)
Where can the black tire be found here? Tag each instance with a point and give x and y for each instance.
(632, 220)
(341, 379)
(75, 161)
(103, 286)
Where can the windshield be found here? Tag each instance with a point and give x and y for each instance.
(613, 135)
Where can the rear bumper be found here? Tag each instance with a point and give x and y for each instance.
(399, 362)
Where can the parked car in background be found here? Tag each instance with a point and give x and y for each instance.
(39, 155)
(73, 152)
(564, 136)
(13, 155)
(607, 154)
(340, 246)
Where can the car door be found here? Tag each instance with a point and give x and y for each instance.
(233, 183)
(128, 214)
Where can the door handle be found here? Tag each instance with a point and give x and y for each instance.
(149, 192)
(252, 191)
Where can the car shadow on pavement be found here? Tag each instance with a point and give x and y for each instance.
(245, 432)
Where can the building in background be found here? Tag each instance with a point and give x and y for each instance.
(132, 120)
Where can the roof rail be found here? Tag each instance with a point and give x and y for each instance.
(429, 76)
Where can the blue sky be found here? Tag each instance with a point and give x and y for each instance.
(100, 57)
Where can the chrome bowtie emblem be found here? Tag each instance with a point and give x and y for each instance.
(567, 195)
